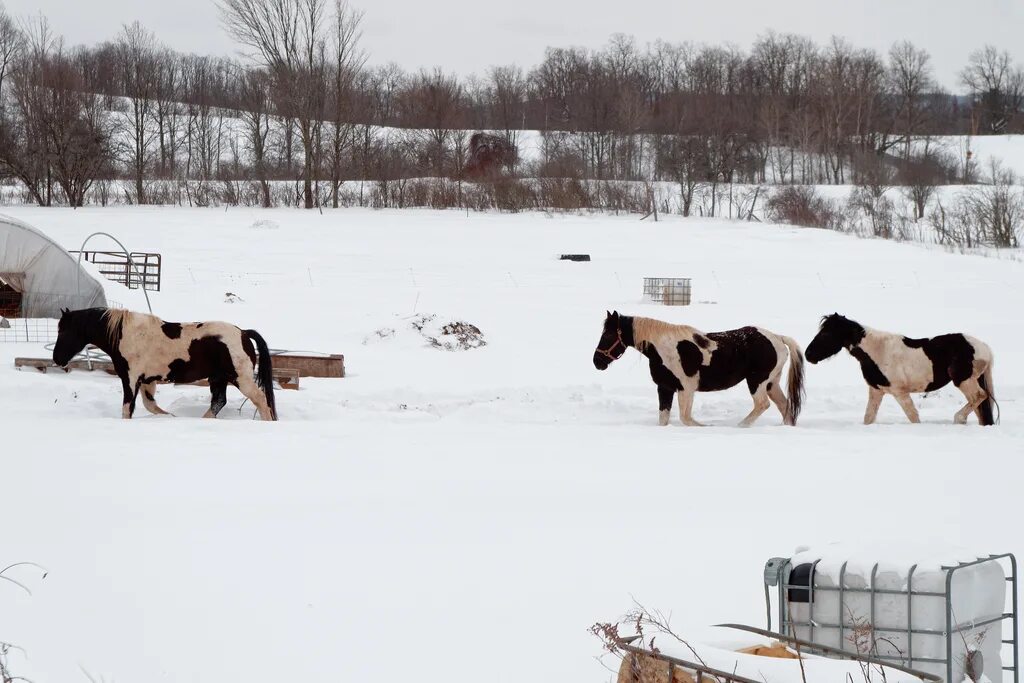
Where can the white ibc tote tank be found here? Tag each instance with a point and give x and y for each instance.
(928, 610)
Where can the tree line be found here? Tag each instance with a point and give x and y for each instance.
(305, 110)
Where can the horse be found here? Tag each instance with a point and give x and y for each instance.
(684, 361)
(900, 366)
(146, 350)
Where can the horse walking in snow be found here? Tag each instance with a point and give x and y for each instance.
(900, 366)
(146, 350)
(684, 361)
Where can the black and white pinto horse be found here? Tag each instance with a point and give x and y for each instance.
(145, 351)
(684, 361)
(900, 366)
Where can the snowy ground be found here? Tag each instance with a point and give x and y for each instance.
(470, 514)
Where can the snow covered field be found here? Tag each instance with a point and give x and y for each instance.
(464, 515)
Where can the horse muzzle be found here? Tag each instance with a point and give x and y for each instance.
(600, 362)
(814, 356)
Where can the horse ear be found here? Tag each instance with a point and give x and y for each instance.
(65, 311)
(607, 313)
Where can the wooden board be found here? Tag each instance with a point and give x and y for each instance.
(313, 366)
(286, 378)
(44, 364)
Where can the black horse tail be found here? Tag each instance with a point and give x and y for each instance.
(795, 382)
(265, 374)
(985, 413)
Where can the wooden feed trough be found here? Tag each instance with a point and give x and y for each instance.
(288, 370)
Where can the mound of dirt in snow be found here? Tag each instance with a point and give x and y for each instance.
(455, 335)
(265, 224)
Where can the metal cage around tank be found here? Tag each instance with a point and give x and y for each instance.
(668, 291)
(778, 572)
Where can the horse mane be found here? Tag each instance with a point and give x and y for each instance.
(114, 319)
(648, 330)
(838, 319)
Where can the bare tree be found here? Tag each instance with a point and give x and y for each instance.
(910, 80)
(76, 128)
(24, 147)
(348, 59)
(203, 77)
(55, 132)
(290, 37)
(377, 99)
(683, 160)
(508, 90)
(919, 176)
(254, 103)
(11, 43)
(772, 62)
(136, 50)
(990, 214)
(998, 85)
(432, 104)
(998, 208)
(168, 97)
(874, 178)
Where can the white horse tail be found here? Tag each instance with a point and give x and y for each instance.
(795, 383)
(985, 413)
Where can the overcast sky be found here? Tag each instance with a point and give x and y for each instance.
(467, 36)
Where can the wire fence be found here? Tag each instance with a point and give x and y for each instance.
(28, 330)
(15, 329)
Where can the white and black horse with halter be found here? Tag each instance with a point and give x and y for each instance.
(900, 366)
(684, 361)
(146, 351)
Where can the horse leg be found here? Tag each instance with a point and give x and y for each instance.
(907, 404)
(130, 397)
(875, 397)
(218, 397)
(665, 393)
(980, 368)
(975, 397)
(686, 408)
(761, 404)
(149, 400)
(247, 385)
(779, 399)
(123, 374)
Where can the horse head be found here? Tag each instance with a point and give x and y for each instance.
(613, 342)
(75, 330)
(834, 334)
